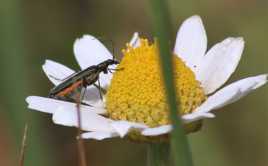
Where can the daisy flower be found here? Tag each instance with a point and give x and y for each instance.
(135, 104)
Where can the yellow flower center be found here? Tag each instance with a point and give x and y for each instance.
(137, 93)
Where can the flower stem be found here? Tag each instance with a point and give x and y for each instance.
(158, 155)
(161, 22)
(80, 141)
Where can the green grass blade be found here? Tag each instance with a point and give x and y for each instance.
(14, 84)
(158, 154)
(161, 23)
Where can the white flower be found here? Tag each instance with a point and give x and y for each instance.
(212, 69)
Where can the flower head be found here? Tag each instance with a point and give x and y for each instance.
(135, 103)
(137, 94)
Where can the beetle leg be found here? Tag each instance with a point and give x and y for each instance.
(83, 88)
(99, 87)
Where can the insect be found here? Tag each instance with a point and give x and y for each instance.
(79, 80)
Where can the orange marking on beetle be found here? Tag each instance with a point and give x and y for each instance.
(70, 88)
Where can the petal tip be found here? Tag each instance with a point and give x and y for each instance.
(85, 37)
(82, 40)
(208, 115)
(241, 41)
(193, 19)
(197, 17)
(262, 80)
(135, 42)
(29, 99)
(240, 38)
(136, 34)
(47, 61)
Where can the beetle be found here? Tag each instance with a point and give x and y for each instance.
(79, 80)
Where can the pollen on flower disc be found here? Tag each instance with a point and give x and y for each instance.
(137, 92)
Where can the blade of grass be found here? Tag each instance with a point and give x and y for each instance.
(161, 23)
(23, 146)
(158, 155)
(15, 83)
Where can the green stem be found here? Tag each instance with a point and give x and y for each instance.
(14, 86)
(161, 22)
(158, 155)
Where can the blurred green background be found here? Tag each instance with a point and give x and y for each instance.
(33, 31)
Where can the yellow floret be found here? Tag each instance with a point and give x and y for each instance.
(137, 92)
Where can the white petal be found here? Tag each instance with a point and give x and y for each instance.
(123, 127)
(196, 116)
(49, 105)
(135, 41)
(89, 51)
(56, 72)
(227, 95)
(157, 130)
(92, 96)
(191, 41)
(219, 63)
(90, 121)
(98, 135)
